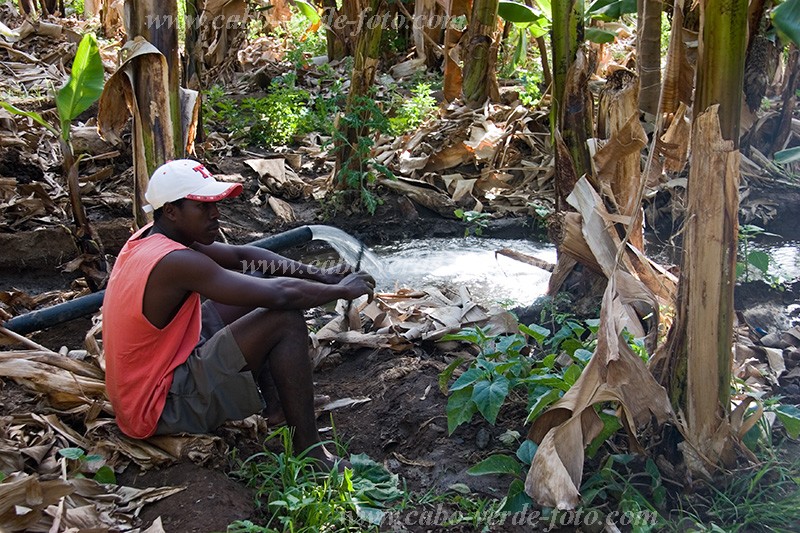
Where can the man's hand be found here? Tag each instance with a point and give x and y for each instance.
(357, 284)
(334, 275)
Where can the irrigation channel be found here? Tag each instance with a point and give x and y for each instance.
(447, 263)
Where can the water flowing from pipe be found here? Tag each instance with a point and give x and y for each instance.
(353, 251)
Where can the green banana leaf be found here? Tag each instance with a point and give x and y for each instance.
(523, 17)
(786, 18)
(609, 10)
(36, 117)
(787, 156)
(516, 12)
(597, 35)
(308, 11)
(85, 84)
(546, 8)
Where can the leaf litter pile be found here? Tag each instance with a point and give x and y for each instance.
(497, 160)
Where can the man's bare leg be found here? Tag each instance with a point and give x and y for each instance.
(274, 410)
(277, 341)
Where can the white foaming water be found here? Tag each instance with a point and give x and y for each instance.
(447, 263)
(353, 251)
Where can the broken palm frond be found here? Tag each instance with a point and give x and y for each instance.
(614, 374)
(33, 504)
(679, 71)
(453, 76)
(29, 450)
(218, 45)
(674, 145)
(280, 179)
(68, 385)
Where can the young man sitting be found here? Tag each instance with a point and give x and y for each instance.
(174, 365)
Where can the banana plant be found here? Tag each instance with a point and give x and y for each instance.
(527, 21)
(538, 20)
(81, 90)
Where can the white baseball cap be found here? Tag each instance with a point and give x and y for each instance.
(184, 178)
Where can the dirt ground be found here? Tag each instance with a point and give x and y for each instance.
(403, 425)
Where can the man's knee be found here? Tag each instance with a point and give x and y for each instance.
(285, 321)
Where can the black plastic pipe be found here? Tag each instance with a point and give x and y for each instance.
(85, 305)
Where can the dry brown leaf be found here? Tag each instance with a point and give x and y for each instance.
(200, 449)
(614, 373)
(281, 209)
(23, 499)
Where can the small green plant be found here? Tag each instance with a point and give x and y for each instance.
(294, 497)
(269, 121)
(625, 486)
(413, 111)
(508, 362)
(531, 93)
(82, 89)
(477, 221)
(83, 465)
(360, 169)
(752, 263)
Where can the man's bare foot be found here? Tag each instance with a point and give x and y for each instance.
(274, 414)
(325, 461)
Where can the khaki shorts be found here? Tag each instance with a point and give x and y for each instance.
(210, 387)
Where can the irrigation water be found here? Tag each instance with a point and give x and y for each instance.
(447, 263)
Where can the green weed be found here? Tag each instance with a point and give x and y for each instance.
(477, 222)
(81, 464)
(509, 362)
(295, 498)
(755, 264)
(625, 485)
(413, 111)
(272, 120)
(762, 498)
(360, 169)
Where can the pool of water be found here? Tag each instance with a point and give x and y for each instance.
(447, 263)
(784, 258)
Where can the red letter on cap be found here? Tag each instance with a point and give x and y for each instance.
(202, 170)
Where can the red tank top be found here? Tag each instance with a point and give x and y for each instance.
(140, 358)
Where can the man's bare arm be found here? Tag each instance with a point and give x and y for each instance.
(251, 258)
(196, 272)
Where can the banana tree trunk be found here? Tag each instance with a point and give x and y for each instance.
(336, 44)
(157, 135)
(162, 135)
(618, 111)
(192, 74)
(570, 110)
(480, 79)
(567, 33)
(722, 55)
(366, 62)
(789, 99)
(700, 341)
(648, 61)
